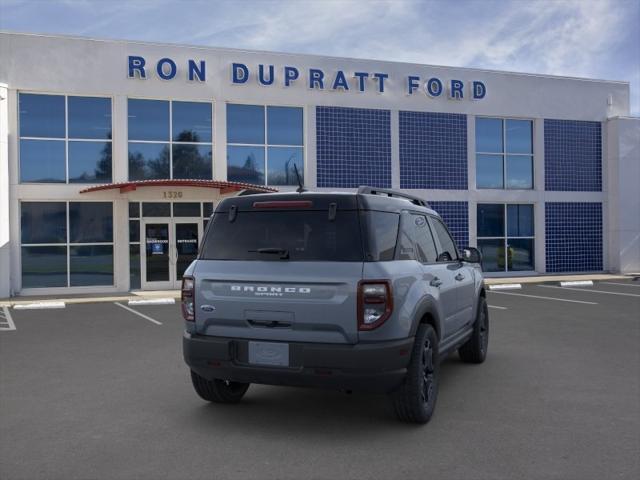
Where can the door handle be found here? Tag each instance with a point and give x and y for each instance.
(459, 277)
(436, 282)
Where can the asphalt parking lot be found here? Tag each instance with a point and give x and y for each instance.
(97, 391)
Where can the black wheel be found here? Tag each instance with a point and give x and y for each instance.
(475, 349)
(415, 399)
(218, 391)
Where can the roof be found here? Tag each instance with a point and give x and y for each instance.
(224, 187)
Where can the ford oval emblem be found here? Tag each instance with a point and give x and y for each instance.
(207, 308)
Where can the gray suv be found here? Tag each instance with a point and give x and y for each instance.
(357, 291)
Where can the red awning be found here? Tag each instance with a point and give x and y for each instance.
(224, 187)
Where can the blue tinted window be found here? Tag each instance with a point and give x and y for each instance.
(490, 220)
(207, 209)
(519, 172)
(284, 126)
(43, 222)
(89, 117)
(192, 161)
(280, 168)
(91, 265)
(489, 135)
(90, 222)
(41, 115)
(89, 162)
(520, 254)
(134, 230)
(42, 161)
(245, 124)
(245, 164)
(148, 161)
(520, 220)
(519, 136)
(148, 120)
(489, 171)
(186, 209)
(492, 254)
(134, 210)
(44, 267)
(191, 122)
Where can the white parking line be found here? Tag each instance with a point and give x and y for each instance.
(506, 286)
(138, 313)
(152, 301)
(8, 320)
(497, 307)
(591, 290)
(38, 305)
(546, 298)
(623, 284)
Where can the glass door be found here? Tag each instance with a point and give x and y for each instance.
(157, 256)
(187, 234)
(170, 245)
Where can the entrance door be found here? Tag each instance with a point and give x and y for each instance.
(186, 234)
(170, 245)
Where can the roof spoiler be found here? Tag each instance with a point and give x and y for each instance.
(364, 190)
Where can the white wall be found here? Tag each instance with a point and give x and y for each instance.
(623, 150)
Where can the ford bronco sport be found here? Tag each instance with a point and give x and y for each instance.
(357, 291)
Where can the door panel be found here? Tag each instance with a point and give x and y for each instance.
(157, 253)
(187, 239)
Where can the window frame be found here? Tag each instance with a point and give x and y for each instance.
(506, 236)
(169, 141)
(266, 145)
(67, 244)
(66, 139)
(504, 154)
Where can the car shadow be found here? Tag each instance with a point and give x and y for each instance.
(268, 410)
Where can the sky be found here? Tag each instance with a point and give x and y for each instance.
(580, 38)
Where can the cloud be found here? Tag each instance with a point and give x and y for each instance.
(588, 38)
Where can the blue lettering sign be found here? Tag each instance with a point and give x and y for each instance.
(196, 71)
(455, 90)
(340, 81)
(412, 84)
(290, 74)
(380, 77)
(239, 73)
(316, 77)
(161, 70)
(136, 64)
(361, 76)
(261, 79)
(479, 90)
(433, 87)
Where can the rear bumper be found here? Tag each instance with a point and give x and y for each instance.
(371, 367)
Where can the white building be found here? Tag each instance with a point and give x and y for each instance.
(113, 154)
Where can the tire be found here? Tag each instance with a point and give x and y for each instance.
(475, 349)
(415, 399)
(218, 391)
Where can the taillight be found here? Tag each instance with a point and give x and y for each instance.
(375, 303)
(188, 307)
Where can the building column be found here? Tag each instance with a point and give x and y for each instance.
(5, 267)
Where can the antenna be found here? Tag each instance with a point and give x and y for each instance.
(300, 188)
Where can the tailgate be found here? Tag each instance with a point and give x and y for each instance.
(281, 301)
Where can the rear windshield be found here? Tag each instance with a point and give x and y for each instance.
(284, 236)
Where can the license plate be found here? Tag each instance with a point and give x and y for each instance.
(268, 353)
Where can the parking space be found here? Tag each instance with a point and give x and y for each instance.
(101, 391)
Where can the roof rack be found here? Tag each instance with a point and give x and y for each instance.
(394, 194)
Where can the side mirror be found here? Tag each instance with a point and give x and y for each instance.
(471, 255)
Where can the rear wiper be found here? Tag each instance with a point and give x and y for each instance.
(283, 252)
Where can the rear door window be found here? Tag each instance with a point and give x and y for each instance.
(298, 235)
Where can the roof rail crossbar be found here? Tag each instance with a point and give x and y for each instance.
(393, 193)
